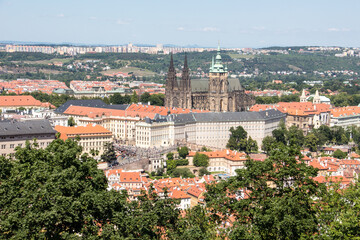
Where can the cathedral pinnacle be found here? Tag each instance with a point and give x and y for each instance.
(217, 67)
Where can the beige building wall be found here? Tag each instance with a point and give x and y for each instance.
(9, 143)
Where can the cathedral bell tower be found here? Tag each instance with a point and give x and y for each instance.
(171, 85)
(178, 94)
(218, 85)
(185, 86)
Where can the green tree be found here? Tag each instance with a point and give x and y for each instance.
(182, 172)
(171, 165)
(251, 146)
(205, 149)
(311, 141)
(145, 98)
(51, 193)
(183, 152)
(295, 136)
(267, 142)
(339, 154)
(201, 160)
(134, 98)
(203, 171)
(280, 133)
(157, 99)
(109, 154)
(272, 199)
(71, 122)
(238, 139)
(170, 156)
(196, 226)
(324, 134)
(338, 212)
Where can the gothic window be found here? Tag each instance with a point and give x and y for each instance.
(175, 102)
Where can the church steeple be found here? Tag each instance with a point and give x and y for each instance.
(217, 67)
(316, 99)
(185, 77)
(171, 81)
(303, 96)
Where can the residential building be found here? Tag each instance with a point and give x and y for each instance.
(92, 136)
(11, 103)
(305, 115)
(345, 116)
(15, 134)
(224, 160)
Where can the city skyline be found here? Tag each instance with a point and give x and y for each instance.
(203, 23)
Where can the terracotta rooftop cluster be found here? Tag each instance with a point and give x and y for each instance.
(177, 188)
(333, 170)
(26, 85)
(22, 101)
(134, 110)
(345, 111)
(89, 130)
(294, 108)
(88, 85)
(226, 153)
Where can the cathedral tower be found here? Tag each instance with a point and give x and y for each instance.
(171, 86)
(185, 86)
(218, 85)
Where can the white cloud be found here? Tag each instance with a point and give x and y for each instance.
(210, 29)
(61, 15)
(258, 28)
(121, 22)
(92, 18)
(338, 29)
(180, 28)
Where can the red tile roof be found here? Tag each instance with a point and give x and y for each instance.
(294, 108)
(130, 177)
(66, 132)
(21, 101)
(226, 153)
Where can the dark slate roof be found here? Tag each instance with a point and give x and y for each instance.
(202, 85)
(228, 116)
(27, 127)
(85, 103)
(118, 106)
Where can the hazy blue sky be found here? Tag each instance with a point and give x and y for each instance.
(255, 23)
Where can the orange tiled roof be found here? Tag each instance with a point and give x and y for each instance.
(345, 111)
(66, 132)
(126, 177)
(323, 179)
(98, 112)
(226, 153)
(160, 110)
(178, 194)
(19, 101)
(294, 108)
(195, 191)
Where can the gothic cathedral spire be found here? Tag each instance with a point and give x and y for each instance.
(171, 81)
(185, 77)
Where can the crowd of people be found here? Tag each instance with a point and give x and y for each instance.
(129, 154)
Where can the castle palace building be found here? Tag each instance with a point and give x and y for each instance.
(218, 93)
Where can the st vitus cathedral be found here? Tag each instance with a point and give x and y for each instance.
(217, 94)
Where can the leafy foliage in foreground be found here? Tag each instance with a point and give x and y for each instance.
(269, 200)
(55, 193)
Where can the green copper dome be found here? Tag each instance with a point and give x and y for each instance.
(217, 67)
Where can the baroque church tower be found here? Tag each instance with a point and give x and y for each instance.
(218, 85)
